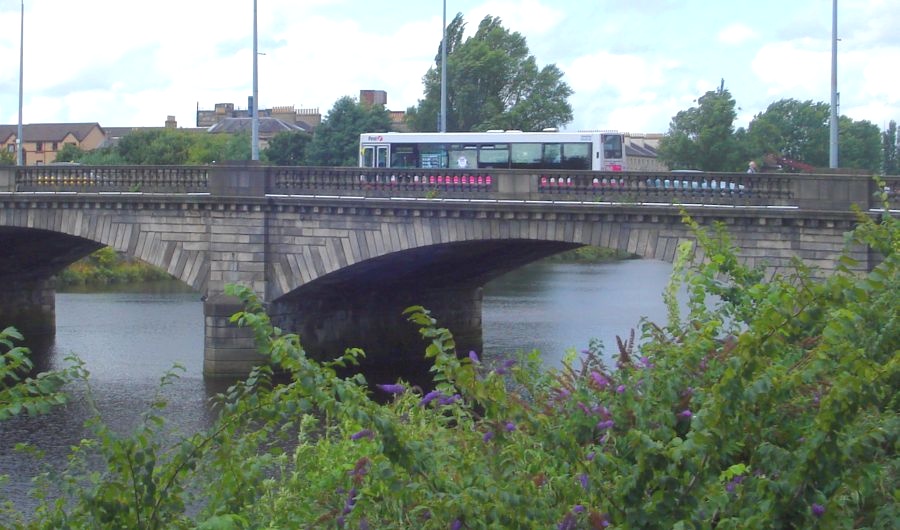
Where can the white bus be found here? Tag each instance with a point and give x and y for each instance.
(598, 151)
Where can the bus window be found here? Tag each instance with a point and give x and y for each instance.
(525, 156)
(381, 155)
(576, 156)
(433, 156)
(552, 156)
(404, 156)
(463, 156)
(368, 157)
(612, 146)
(493, 156)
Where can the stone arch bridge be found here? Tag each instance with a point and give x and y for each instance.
(338, 253)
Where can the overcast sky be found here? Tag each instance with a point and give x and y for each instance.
(633, 64)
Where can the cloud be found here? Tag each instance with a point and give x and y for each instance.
(737, 34)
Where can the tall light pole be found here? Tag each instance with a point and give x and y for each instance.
(254, 110)
(833, 143)
(20, 156)
(444, 73)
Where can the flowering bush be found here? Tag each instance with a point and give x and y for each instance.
(769, 404)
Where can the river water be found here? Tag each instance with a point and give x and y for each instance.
(129, 339)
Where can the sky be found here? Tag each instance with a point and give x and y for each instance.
(632, 64)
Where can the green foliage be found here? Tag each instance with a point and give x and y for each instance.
(492, 83)
(69, 153)
(7, 158)
(702, 137)
(336, 140)
(288, 149)
(19, 392)
(859, 145)
(768, 405)
(793, 129)
(106, 266)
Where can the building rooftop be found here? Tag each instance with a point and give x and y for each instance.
(268, 126)
(48, 132)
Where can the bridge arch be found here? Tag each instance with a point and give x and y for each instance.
(55, 235)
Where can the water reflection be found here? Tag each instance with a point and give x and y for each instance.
(553, 307)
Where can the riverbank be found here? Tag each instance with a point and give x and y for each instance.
(107, 267)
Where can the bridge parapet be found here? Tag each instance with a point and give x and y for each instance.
(100, 179)
(813, 192)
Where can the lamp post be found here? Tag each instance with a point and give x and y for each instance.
(20, 156)
(444, 73)
(254, 111)
(833, 139)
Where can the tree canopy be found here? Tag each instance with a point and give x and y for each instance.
(493, 82)
(287, 149)
(336, 139)
(703, 137)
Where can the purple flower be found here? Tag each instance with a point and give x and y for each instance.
(456, 525)
(429, 397)
(510, 426)
(583, 478)
(488, 436)
(474, 357)
(599, 380)
(392, 389)
(365, 433)
(645, 362)
(449, 400)
(578, 508)
(686, 413)
(591, 456)
(818, 510)
(568, 523)
(363, 524)
(620, 389)
(606, 424)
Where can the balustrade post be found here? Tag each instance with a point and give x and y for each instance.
(831, 192)
(7, 179)
(245, 178)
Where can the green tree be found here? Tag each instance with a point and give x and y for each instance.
(889, 147)
(7, 159)
(69, 153)
(287, 149)
(208, 148)
(492, 83)
(154, 147)
(793, 129)
(859, 145)
(336, 140)
(702, 137)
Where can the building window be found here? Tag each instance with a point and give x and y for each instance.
(10, 148)
(54, 147)
(39, 146)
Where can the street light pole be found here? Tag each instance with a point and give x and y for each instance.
(444, 73)
(20, 156)
(254, 148)
(833, 140)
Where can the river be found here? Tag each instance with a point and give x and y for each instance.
(129, 339)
